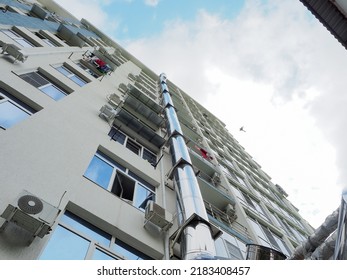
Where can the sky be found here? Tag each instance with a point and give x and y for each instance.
(267, 65)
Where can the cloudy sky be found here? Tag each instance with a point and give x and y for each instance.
(267, 65)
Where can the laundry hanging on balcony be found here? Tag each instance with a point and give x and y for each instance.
(204, 153)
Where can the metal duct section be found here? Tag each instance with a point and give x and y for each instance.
(305, 250)
(340, 245)
(196, 238)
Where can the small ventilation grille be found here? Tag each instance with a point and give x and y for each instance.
(30, 204)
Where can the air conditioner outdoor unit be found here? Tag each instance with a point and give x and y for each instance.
(114, 99)
(123, 88)
(14, 51)
(31, 213)
(157, 215)
(231, 212)
(216, 178)
(107, 112)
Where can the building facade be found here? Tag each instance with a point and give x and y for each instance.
(101, 158)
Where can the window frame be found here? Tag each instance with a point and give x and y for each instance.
(81, 228)
(17, 38)
(119, 170)
(50, 84)
(5, 96)
(48, 41)
(69, 73)
(126, 138)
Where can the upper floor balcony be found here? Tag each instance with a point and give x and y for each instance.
(134, 125)
(144, 106)
(213, 192)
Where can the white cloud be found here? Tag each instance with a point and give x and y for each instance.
(93, 11)
(152, 3)
(277, 71)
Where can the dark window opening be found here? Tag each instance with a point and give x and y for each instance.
(132, 146)
(123, 187)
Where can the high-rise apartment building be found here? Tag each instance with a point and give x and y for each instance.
(101, 158)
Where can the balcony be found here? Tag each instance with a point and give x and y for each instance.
(109, 59)
(123, 117)
(144, 106)
(222, 219)
(200, 160)
(140, 85)
(213, 193)
(190, 132)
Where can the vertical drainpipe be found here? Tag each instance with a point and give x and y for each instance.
(196, 240)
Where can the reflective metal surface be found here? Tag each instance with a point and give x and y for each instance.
(196, 240)
(341, 246)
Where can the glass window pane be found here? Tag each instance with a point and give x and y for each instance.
(63, 70)
(99, 255)
(142, 196)
(150, 157)
(86, 229)
(116, 135)
(235, 253)
(35, 79)
(129, 252)
(50, 43)
(11, 114)
(78, 80)
(65, 245)
(132, 146)
(220, 248)
(53, 91)
(10, 33)
(99, 172)
(25, 43)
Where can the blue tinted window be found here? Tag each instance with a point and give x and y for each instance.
(53, 92)
(143, 195)
(64, 71)
(10, 114)
(116, 135)
(129, 252)
(99, 255)
(87, 229)
(99, 172)
(78, 80)
(65, 245)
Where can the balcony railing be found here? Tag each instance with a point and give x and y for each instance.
(225, 219)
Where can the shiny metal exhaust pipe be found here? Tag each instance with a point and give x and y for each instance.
(196, 239)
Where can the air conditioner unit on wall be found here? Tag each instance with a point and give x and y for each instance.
(107, 112)
(30, 213)
(216, 178)
(231, 212)
(157, 215)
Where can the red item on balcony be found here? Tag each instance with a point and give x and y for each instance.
(100, 62)
(204, 153)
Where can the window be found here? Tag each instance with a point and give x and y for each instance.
(77, 239)
(133, 146)
(234, 252)
(12, 110)
(269, 238)
(115, 178)
(46, 40)
(129, 252)
(86, 69)
(44, 84)
(230, 247)
(251, 203)
(18, 38)
(72, 76)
